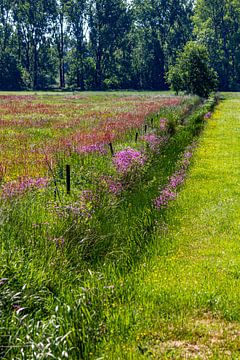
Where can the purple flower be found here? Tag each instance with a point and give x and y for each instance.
(114, 187)
(20, 186)
(163, 124)
(154, 141)
(187, 155)
(84, 208)
(177, 179)
(94, 148)
(208, 115)
(87, 196)
(128, 159)
(166, 195)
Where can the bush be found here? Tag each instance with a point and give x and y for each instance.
(192, 72)
(10, 73)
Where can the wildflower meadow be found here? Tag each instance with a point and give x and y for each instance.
(85, 181)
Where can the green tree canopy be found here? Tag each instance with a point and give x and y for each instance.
(192, 72)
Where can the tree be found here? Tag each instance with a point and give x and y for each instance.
(6, 27)
(192, 72)
(162, 29)
(217, 25)
(76, 11)
(33, 21)
(58, 30)
(109, 24)
(10, 73)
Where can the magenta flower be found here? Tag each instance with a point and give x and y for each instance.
(208, 115)
(166, 195)
(84, 208)
(113, 186)
(154, 141)
(19, 187)
(94, 148)
(177, 179)
(163, 124)
(88, 196)
(128, 159)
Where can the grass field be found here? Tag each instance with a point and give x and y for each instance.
(75, 267)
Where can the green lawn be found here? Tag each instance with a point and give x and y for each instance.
(188, 297)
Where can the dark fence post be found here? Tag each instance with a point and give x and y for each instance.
(136, 137)
(111, 148)
(68, 178)
(145, 129)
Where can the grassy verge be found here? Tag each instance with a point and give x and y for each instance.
(72, 300)
(188, 294)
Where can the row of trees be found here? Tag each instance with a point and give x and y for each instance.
(103, 44)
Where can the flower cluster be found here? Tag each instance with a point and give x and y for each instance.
(16, 188)
(113, 186)
(84, 208)
(88, 196)
(163, 124)
(208, 115)
(177, 179)
(169, 192)
(153, 141)
(166, 195)
(93, 148)
(128, 159)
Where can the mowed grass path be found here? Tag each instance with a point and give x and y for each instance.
(188, 303)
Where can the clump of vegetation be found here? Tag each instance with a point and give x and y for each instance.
(192, 72)
(10, 73)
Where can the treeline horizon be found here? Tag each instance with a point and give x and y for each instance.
(112, 44)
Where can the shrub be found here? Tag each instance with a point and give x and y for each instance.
(10, 73)
(192, 72)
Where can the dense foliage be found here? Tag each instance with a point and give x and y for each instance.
(100, 44)
(192, 72)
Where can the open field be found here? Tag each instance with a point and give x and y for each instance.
(69, 261)
(35, 129)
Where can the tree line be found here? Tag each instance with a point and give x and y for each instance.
(113, 44)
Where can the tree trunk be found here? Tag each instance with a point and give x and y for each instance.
(35, 66)
(61, 54)
(98, 80)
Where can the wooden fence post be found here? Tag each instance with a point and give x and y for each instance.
(111, 148)
(68, 179)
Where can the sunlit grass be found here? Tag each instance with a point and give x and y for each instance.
(187, 303)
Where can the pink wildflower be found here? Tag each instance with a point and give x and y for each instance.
(94, 148)
(128, 159)
(208, 115)
(154, 141)
(163, 124)
(166, 195)
(15, 188)
(177, 179)
(114, 187)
